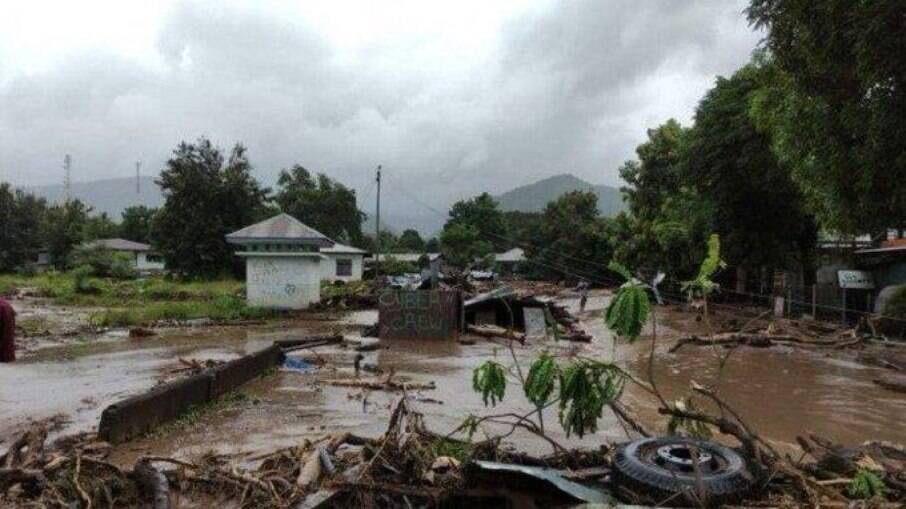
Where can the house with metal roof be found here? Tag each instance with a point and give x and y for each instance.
(145, 259)
(283, 262)
(342, 263)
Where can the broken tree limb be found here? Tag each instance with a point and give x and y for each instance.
(310, 472)
(153, 483)
(757, 340)
(385, 385)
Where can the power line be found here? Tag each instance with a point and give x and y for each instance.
(603, 280)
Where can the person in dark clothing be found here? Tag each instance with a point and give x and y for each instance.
(583, 289)
(7, 332)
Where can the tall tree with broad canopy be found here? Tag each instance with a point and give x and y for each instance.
(573, 240)
(320, 202)
(474, 230)
(836, 106)
(136, 224)
(205, 197)
(668, 220)
(410, 241)
(62, 230)
(21, 215)
(758, 210)
(99, 226)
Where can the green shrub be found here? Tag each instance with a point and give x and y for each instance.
(82, 283)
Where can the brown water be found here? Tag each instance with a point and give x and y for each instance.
(782, 393)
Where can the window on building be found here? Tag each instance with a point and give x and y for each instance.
(344, 267)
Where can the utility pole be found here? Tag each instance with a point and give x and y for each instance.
(138, 177)
(67, 177)
(377, 229)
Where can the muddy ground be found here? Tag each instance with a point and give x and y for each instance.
(782, 392)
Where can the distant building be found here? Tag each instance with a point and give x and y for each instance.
(510, 260)
(283, 264)
(145, 258)
(342, 263)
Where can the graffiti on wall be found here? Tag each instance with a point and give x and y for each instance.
(419, 314)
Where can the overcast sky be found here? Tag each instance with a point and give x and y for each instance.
(451, 97)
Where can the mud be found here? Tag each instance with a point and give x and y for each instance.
(782, 393)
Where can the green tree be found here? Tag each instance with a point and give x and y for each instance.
(758, 208)
(474, 230)
(836, 106)
(21, 215)
(410, 241)
(572, 237)
(668, 219)
(204, 199)
(657, 174)
(320, 202)
(522, 227)
(432, 245)
(62, 230)
(99, 227)
(136, 224)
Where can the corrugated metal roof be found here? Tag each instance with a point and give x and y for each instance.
(513, 255)
(282, 228)
(343, 249)
(118, 245)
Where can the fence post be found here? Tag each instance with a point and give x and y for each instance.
(789, 301)
(814, 302)
(843, 307)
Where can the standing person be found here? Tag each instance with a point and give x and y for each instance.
(583, 289)
(7, 332)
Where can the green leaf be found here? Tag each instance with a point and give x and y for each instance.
(489, 379)
(866, 485)
(620, 269)
(541, 380)
(585, 388)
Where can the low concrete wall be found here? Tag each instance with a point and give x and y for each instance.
(137, 415)
(237, 372)
(140, 414)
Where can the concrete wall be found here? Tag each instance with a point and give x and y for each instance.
(283, 281)
(329, 267)
(142, 263)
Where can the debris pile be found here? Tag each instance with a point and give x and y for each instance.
(411, 466)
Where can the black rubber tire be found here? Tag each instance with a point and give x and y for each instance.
(727, 485)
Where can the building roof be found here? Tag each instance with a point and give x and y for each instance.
(119, 245)
(513, 255)
(283, 229)
(343, 249)
(885, 249)
(410, 257)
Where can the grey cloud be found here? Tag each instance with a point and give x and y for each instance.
(564, 91)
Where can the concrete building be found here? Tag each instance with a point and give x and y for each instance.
(283, 263)
(343, 263)
(144, 258)
(508, 262)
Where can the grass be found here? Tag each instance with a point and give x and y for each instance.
(136, 302)
(230, 400)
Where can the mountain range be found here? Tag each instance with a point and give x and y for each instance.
(112, 196)
(534, 197)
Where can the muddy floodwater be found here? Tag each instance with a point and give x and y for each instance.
(781, 393)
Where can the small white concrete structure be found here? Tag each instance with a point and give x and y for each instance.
(283, 265)
(344, 263)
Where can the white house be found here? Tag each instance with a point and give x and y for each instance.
(343, 263)
(283, 265)
(144, 258)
